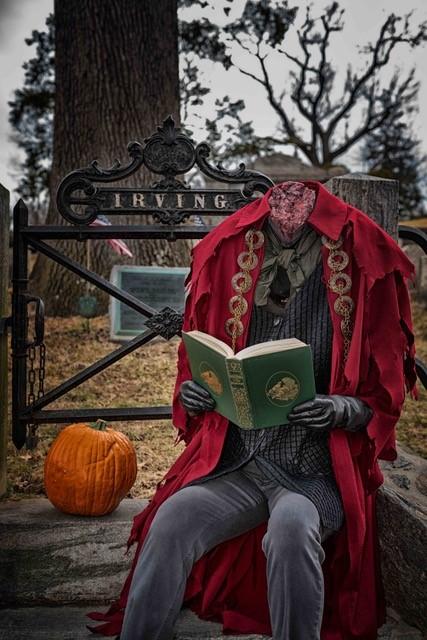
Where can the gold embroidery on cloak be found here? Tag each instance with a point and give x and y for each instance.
(340, 283)
(241, 283)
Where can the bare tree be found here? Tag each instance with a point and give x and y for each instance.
(315, 114)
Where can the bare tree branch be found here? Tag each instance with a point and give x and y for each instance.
(381, 52)
(276, 104)
(313, 114)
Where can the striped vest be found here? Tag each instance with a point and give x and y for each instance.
(293, 456)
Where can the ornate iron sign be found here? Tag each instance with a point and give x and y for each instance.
(168, 153)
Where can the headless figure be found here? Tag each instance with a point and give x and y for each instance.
(198, 517)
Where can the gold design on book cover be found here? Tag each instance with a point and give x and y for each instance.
(241, 283)
(211, 378)
(340, 283)
(240, 397)
(282, 388)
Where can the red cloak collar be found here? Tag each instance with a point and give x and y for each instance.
(328, 216)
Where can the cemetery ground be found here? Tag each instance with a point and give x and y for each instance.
(146, 377)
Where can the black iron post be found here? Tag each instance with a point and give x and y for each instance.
(4, 325)
(19, 324)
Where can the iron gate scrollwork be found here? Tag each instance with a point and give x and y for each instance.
(171, 202)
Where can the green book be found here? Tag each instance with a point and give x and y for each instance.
(256, 387)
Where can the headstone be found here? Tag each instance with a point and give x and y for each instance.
(417, 256)
(423, 273)
(156, 286)
(402, 527)
(377, 197)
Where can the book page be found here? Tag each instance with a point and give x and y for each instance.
(211, 341)
(269, 347)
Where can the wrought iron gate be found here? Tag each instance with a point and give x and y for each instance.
(168, 153)
(171, 202)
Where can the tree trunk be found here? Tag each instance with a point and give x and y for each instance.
(116, 66)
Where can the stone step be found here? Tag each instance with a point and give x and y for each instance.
(54, 559)
(57, 559)
(69, 623)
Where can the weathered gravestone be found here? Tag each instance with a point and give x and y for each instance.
(156, 286)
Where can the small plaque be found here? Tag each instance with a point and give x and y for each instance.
(157, 287)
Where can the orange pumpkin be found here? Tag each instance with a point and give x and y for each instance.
(89, 469)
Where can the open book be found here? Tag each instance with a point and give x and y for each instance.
(256, 387)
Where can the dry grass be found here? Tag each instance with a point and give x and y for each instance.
(144, 378)
(412, 426)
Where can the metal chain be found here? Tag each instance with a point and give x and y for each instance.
(31, 374)
(42, 369)
(32, 439)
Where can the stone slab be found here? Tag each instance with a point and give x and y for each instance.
(377, 197)
(48, 557)
(158, 287)
(69, 623)
(402, 526)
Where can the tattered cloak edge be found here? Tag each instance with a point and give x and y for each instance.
(228, 584)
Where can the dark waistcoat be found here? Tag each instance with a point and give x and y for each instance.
(295, 457)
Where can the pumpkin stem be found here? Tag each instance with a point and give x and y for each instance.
(99, 425)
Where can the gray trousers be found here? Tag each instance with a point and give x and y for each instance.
(197, 518)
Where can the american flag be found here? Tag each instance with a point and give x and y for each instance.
(118, 246)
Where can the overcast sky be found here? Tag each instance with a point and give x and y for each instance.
(362, 21)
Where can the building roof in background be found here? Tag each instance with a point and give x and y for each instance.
(421, 222)
(280, 167)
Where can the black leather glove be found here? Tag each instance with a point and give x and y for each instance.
(326, 412)
(194, 398)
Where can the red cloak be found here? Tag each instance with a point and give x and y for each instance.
(228, 584)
